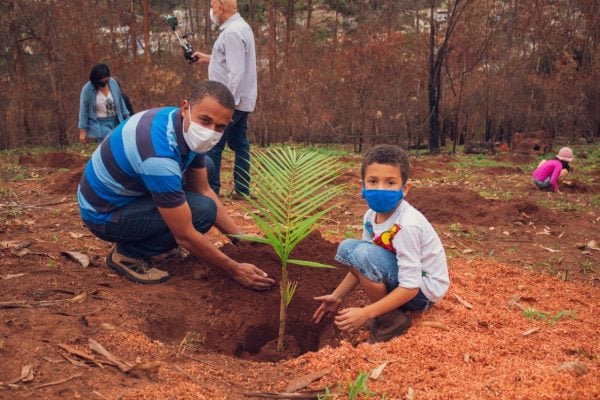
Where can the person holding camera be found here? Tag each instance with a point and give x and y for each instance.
(101, 105)
(233, 63)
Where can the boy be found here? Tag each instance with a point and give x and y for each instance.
(400, 262)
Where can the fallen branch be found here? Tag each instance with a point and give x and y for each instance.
(81, 354)
(97, 347)
(58, 382)
(42, 303)
(31, 303)
(304, 381)
(80, 315)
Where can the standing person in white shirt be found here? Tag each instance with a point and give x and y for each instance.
(400, 262)
(233, 63)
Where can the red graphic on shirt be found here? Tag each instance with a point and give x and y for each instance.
(385, 239)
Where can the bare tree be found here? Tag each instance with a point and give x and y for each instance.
(147, 45)
(437, 57)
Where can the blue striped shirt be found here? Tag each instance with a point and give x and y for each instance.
(145, 155)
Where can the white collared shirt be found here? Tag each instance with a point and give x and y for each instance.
(233, 62)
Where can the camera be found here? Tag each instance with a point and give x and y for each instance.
(188, 51)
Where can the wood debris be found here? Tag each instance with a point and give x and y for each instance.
(81, 258)
(60, 381)
(578, 367)
(42, 303)
(462, 301)
(530, 331)
(436, 324)
(305, 380)
(313, 394)
(377, 371)
(11, 276)
(26, 375)
(549, 249)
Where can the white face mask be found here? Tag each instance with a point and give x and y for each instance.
(213, 18)
(199, 138)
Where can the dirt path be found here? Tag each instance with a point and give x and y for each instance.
(518, 322)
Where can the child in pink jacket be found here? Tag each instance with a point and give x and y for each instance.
(549, 172)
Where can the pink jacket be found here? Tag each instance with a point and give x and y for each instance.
(550, 168)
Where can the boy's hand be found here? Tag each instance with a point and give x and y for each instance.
(330, 304)
(350, 319)
(252, 277)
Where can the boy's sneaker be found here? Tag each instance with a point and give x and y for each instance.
(135, 269)
(177, 254)
(388, 326)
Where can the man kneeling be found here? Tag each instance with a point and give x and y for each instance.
(146, 189)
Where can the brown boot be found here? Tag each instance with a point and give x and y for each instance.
(135, 269)
(388, 326)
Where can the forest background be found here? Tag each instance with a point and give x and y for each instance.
(411, 72)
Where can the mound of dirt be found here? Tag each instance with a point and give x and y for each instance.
(53, 160)
(445, 205)
(575, 186)
(64, 182)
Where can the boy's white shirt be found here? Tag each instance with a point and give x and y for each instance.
(418, 249)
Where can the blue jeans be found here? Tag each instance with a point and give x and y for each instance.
(105, 126)
(140, 231)
(377, 265)
(542, 184)
(237, 140)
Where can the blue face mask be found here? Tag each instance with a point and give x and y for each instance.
(382, 201)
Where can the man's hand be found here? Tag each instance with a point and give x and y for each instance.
(330, 304)
(252, 277)
(201, 56)
(350, 319)
(82, 136)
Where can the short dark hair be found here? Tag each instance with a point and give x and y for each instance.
(98, 72)
(387, 154)
(213, 89)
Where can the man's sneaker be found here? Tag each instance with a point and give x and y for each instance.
(135, 269)
(177, 254)
(388, 326)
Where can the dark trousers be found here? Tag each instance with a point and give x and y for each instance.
(237, 140)
(140, 231)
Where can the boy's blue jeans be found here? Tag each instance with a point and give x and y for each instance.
(377, 265)
(237, 140)
(140, 231)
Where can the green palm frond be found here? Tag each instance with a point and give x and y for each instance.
(291, 190)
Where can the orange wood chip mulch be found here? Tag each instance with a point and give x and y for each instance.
(527, 336)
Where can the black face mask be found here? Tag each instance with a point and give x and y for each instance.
(103, 84)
